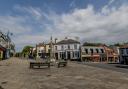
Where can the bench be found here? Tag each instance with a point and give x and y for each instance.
(62, 63)
(39, 64)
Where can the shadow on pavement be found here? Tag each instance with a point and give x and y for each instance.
(113, 63)
(36, 68)
(122, 66)
(1, 87)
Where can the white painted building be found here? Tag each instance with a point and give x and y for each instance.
(124, 54)
(67, 49)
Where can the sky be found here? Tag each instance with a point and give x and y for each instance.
(35, 21)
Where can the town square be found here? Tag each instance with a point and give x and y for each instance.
(15, 74)
(63, 44)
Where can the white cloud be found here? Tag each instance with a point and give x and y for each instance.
(86, 23)
(95, 26)
(106, 8)
(13, 24)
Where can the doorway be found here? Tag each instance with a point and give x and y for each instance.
(56, 55)
(68, 55)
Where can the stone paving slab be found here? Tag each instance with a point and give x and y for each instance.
(15, 74)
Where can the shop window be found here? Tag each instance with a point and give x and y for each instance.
(127, 51)
(76, 54)
(122, 51)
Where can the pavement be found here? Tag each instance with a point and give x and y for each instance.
(109, 66)
(16, 74)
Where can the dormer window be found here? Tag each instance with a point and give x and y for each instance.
(91, 51)
(102, 51)
(97, 51)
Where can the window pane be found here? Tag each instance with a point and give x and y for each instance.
(86, 50)
(127, 51)
(97, 50)
(56, 47)
(102, 51)
(62, 47)
(91, 50)
(75, 46)
(68, 46)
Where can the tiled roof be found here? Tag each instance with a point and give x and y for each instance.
(40, 44)
(124, 46)
(68, 41)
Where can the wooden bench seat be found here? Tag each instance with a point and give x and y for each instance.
(39, 64)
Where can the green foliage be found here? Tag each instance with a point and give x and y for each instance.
(26, 50)
(18, 54)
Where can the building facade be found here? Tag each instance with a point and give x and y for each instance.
(6, 46)
(68, 49)
(101, 53)
(124, 54)
(111, 55)
(40, 48)
(93, 53)
(2, 53)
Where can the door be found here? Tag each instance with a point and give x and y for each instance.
(68, 55)
(56, 55)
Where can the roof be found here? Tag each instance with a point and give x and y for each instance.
(68, 41)
(124, 46)
(40, 44)
(107, 48)
(93, 46)
(50, 43)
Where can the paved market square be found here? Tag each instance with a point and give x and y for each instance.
(16, 74)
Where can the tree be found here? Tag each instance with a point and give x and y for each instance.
(26, 50)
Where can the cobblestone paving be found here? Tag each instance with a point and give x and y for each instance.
(15, 74)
